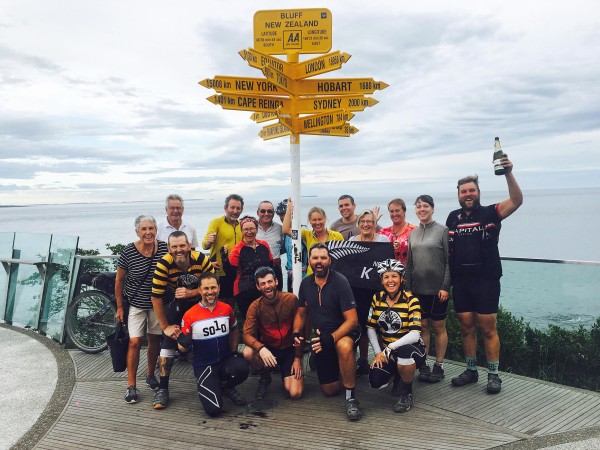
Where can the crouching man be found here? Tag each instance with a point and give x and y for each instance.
(210, 328)
(268, 335)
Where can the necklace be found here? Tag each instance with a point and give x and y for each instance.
(145, 252)
(362, 239)
(402, 228)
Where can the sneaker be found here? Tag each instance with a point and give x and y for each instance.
(396, 387)
(263, 383)
(353, 411)
(362, 367)
(437, 374)
(161, 399)
(152, 382)
(131, 396)
(233, 395)
(405, 403)
(467, 377)
(424, 372)
(494, 383)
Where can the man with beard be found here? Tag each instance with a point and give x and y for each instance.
(174, 221)
(476, 269)
(222, 234)
(268, 335)
(210, 328)
(174, 291)
(332, 309)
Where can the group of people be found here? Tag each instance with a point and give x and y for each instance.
(183, 299)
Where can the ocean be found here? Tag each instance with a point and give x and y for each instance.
(551, 224)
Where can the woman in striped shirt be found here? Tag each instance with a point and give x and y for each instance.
(134, 282)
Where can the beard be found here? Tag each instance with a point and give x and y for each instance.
(321, 272)
(181, 262)
(464, 206)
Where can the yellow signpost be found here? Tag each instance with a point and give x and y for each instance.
(241, 85)
(301, 105)
(293, 30)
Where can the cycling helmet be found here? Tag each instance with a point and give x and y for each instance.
(281, 208)
(390, 265)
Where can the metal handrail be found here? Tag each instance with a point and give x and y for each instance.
(552, 261)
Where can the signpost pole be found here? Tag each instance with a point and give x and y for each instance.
(293, 57)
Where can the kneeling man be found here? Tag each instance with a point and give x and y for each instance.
(332, 310)
(210, 327)
(268, 335)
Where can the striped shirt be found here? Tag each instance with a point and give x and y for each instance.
(166, 274)
(393, 322)
(137, 288)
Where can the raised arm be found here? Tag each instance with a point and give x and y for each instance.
(515, 196)
(286, 227)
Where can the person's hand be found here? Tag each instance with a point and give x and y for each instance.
(297, 368)
(379, 360)
(120, 314)
(387, 352)
(443, 295)
(322, 342)
(183, 293)
(224, 249)
(297, 339)
(216, 265)
(172, 331)
(211, 238)
(377, 213)
(267, 357)
(507, 163)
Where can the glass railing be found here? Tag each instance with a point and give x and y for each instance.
(41, 277)
(35, 281)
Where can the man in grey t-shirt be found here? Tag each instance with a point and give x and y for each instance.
(347, 223)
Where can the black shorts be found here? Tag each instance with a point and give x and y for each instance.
(328, 367)
(285, 359)
(476, 294)
(432, 307)
(174, 312)
(379, 377)
(363, 298)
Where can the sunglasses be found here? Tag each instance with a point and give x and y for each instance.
(266, 211)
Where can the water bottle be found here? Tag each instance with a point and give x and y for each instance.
(498, 155)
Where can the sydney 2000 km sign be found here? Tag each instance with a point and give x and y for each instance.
(289, 95)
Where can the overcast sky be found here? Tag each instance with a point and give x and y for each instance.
(99, 101)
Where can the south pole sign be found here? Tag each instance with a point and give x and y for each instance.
(289, 95)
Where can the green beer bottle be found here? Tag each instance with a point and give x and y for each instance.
(498, 155)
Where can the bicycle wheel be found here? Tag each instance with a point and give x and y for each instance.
(90, 318)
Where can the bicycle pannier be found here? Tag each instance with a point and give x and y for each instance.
(118, 343)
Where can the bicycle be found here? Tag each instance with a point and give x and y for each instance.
(91, 315)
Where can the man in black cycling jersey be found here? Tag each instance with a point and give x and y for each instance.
(174, 291)
(327, 296)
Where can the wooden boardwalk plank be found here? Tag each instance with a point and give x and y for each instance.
(443, 417)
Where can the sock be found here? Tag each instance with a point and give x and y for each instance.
(349, 393)
(407, 387)
(471, 362)
(493, 366)
(163, 383)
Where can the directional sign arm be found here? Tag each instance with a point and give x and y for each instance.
(315, 66)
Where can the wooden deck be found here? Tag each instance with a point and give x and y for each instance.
(443, 417)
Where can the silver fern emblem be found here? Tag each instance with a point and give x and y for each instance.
(339, 249)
